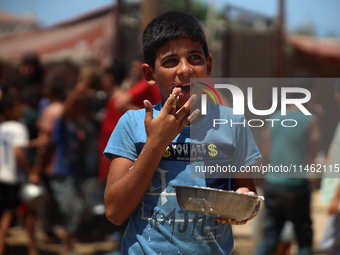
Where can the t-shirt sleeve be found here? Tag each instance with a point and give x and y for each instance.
(246, 152)
(121, 142)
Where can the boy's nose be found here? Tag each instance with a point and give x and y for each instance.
(184, 68)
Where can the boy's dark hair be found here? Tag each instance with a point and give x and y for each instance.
(118, 70)
(167, 26)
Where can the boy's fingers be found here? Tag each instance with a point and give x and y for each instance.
(148, 110)
(170, 104)
(193, 115)
(181, 113)
(231, 221)
(255, 212)
(188, 118)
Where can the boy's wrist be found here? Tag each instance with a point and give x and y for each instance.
(155, 145)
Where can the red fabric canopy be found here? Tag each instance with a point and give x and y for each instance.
(91, 35)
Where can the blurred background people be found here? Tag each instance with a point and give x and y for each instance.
(112, 79)
(30, 77)
(121, 101)
(134, 75)
(14, 139)
(330, 190)
(288, 195)
(58, 79)
(72, 160)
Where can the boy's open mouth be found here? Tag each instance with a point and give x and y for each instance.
(185, 88)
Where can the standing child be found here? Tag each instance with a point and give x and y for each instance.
(13, 141)
(141, 177)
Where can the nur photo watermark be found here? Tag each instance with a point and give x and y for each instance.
(237, 110)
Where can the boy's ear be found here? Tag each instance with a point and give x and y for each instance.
(148, 74)
(209, 65)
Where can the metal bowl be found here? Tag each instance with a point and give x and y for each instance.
(216, 202)
(34, 195)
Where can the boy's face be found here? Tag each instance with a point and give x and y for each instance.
(176, 63)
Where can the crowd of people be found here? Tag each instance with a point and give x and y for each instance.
(55, 122)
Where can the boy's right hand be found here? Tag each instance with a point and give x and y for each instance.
(170, 121)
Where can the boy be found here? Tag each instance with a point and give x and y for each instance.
(141, 177)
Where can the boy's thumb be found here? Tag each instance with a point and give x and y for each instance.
(148, 109)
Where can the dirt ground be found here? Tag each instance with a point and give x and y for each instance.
(246, 237)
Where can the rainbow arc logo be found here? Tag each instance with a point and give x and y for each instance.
(210, 90)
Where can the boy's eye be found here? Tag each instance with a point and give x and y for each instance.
(170, 61)
(195, 57)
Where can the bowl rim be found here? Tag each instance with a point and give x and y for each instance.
(260, 198)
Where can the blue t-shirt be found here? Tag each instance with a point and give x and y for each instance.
(159, 225)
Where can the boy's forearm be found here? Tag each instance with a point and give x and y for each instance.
(125, 191)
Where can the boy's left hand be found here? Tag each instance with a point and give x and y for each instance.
(254, 213)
